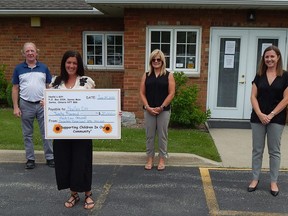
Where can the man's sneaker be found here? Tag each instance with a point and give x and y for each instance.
(30, 164)
(50, 163)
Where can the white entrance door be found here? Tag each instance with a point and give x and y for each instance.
(234, 56)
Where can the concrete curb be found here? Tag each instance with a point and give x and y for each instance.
(117, 158)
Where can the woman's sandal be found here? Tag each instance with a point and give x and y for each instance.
(148, 166)
(91, 204)
(149, 163)
(72, 200)
(161, 165)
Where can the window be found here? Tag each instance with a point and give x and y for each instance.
(103, 50)
(180, 46)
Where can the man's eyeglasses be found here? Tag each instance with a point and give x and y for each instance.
(156, 60)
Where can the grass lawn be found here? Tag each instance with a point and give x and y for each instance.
(132, 139)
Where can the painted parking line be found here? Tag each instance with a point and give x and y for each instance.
(209, 191)
(105, 192)
(211, 198)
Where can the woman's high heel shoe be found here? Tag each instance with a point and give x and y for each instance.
(251, 189)
(275, 192)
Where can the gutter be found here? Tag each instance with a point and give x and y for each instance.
(94, 11)
(193, 2)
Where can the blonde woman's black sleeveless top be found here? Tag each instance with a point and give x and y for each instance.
(156, 89)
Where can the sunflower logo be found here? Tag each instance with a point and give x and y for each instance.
(107, 128)
(57, 128)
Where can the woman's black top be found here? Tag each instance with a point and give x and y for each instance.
(269, 96)
(157, 89)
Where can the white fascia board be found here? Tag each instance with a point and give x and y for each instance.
(51, 12)
(193, 2)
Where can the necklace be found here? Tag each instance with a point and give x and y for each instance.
(70, 84)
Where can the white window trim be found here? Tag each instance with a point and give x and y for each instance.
(173, 29)
(104, 65)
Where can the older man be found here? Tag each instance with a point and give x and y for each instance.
(29, 80)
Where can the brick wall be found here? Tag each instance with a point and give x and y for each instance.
(136, 21)
(54, 37)
(58, 34)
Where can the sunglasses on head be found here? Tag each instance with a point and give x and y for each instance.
(156, 60)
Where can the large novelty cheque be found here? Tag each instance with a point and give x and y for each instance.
(82, 114)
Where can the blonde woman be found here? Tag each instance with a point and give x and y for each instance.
(157, 90)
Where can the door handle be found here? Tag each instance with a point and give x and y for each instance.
(243, 81)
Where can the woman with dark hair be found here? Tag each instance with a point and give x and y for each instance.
(73, 157)
(269, 99)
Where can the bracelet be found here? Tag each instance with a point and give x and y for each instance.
(162, 107)
(273, 113)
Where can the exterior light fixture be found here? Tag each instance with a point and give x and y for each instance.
(251, 16)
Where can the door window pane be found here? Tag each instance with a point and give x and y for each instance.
(262, 44)
(228, 72)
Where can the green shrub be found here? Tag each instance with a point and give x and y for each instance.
(185, 110)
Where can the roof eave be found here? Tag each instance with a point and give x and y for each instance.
(94, 11)
(116, 7)
(192, 2)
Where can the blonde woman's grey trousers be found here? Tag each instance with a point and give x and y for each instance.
(157, 125)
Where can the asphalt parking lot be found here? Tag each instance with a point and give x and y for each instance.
(120, 190)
